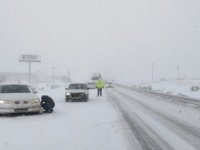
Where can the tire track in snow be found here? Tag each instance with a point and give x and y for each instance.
(194, 103)
(186, 131)
(148, 139)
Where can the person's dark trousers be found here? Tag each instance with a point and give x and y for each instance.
(99, 92)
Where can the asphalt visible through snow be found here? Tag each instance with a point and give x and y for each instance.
(153, 127)
(147, 139)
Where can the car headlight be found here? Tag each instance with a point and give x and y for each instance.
(68, 94)
(2, 101)
(6, 102)
(36, 101)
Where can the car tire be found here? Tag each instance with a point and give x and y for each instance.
(86, 99)
(67, 99)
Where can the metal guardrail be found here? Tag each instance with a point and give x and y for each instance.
(184, 99)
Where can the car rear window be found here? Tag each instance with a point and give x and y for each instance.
(14, 89)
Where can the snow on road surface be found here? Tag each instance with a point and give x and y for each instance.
(123, 119)
(92, 125)
(157, 123)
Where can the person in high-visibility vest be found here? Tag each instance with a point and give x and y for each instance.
(99, 86)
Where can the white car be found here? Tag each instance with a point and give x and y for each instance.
(91, 85)
(109, 85)
(18, 98)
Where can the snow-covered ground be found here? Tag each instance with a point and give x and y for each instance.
(123, 119)
(176, 87)
(92, 125)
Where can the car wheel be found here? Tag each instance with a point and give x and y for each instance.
(66, 100)
(86, 99)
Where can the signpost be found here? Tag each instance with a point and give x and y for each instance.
(29, 58)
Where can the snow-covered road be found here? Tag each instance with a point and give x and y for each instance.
(92, 125)
(122, 119)
(156, 123)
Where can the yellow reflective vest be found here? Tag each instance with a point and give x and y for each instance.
(99, 84)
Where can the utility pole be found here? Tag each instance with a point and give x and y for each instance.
(178, 72)
(53, 74)
(69, 75)
(152, 72)
(29, 72)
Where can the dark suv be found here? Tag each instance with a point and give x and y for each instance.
(77, 92)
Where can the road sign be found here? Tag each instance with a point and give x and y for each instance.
(30, 58)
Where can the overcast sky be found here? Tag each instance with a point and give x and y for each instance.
(119, 38)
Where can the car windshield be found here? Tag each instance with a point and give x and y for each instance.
(95, 78)
(91, 83)
(14, 89)
(77, 86)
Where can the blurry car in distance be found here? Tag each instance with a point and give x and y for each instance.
(109, 85)
(18, 98)
(77, 92)
(91, 85)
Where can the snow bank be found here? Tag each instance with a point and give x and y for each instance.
(175, 87)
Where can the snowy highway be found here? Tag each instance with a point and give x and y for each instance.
(157, 123)
(122, 119)
(59, 56)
